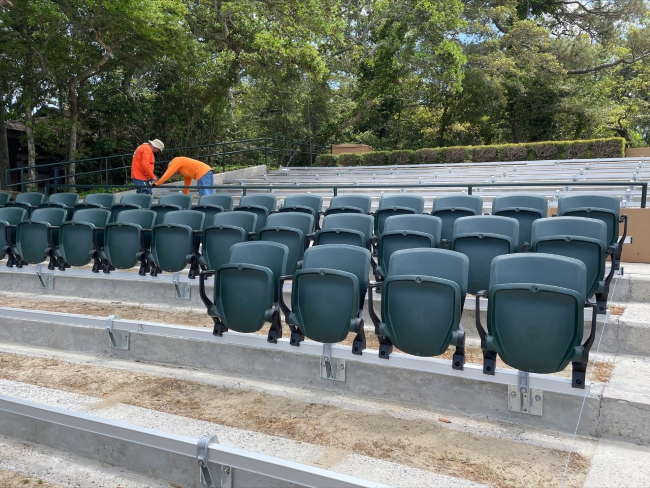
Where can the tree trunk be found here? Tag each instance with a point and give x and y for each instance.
(4, 147)
(31, 147)
(73, 97)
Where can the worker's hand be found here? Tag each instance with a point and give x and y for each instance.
(155, 178)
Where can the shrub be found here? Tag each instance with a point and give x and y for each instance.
(484, 154)
(402, 157)
(455, 154)
(576, 150)
(350, 159)
(427, 156)
(513, 152)
(544, 150)
(608, 148)
(375, 158)
(326, 160)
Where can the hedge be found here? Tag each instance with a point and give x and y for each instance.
(593, 148)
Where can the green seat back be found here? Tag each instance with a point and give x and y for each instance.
(481, 238)
(392, 205)
(31, 235)
(349, 204)
(261, 212)
(4, 198)
(224, 201)
(209, 211)
(32, 198)
(525, 209)
(536, 311)
(603, 207)
(9, 218)
(261, 200)
(191, 218)
(104, 200)
(162, 210)
(123, 239)
(142, 200)
(255, 267)
(328, 292)
(76, 238)
(171, 246)
(422, 299)
(335, 227)
(452, 207)
(574, 237)
(246, 220)
(180, 199)
(290, 229)
(66, 199)
(406, 232)
(142, 217)
(217, 241)
(311, 204)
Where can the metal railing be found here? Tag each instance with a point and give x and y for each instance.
(335, 188)
(212, 154)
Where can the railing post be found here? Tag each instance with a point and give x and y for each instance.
(266, 151)
(57, 179)
(106, 173)
(22, 181)
(469, 189)
(223, 157)
(644, 194)
(336, 191)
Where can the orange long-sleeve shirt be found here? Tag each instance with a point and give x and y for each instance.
(142, 163)
(191, 169)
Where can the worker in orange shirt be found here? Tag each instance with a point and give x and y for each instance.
(142, 165)
(190, 169)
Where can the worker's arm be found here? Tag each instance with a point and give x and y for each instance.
(188, 182)
(171, 170)
(148, 167)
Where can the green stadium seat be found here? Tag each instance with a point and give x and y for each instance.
(220, 200)
(346, 228)
(255, 267)
(601, 207)
(128, 241)
(422, 303)
(526, 209)
(328, 294)
(311, 204)
(62, 200)
(209, 211)
(4, 198)
(452, 207)
(291, 229)
(82, 239)
(227, 229)
(96, 200)
(260, 205)
(535, 317)
(132, 201)
(170, 202)
(405, 232)
(9, 219)
(391, 205)
(481, 238)
(27, 200)
(349, 204)
(579, 238)
(175, 243)
(37, 238)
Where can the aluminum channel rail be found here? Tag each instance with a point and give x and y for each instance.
(261, 464)
(396, 360)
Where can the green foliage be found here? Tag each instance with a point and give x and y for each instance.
(427, 156)
(326, 160)
(350, 159)
(403, 157)
(454, 155)
(376, 158)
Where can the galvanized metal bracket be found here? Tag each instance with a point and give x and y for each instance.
(523, 399)
(119, 338)
(181, 290)
(331, 368)
(46, 279)
(222, 476)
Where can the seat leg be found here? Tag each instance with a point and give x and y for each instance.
(385, 347)
(296, 336)
(578, 377)
(61, 265)
(97, 265)
(489, 362)
(359, 343)
(194, 269)
(155, 270)
(458, 360)
(275, 332)
(219, 327)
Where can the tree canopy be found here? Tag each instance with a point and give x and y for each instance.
(95, 77)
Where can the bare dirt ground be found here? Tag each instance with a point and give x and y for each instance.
(11, 479)
(603, 371)
(421, 443)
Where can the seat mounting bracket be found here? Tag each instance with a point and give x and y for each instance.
(523, 399)
(46, 279)
(331, 368)
(181, 289)
(119, 338)
(221, 477)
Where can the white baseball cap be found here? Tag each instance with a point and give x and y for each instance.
(158, 144)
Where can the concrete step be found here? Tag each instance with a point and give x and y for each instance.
(619, 464)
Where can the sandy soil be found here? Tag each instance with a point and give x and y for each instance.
(424, 444)
(11, 479)
(193, 318)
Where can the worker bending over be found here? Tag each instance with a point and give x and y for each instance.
(190, 169)
(142, 165)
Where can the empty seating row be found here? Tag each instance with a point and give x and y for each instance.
(535, 303)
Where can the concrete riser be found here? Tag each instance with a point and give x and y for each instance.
(435, 391)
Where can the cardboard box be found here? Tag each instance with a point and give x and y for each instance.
(350, 148)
